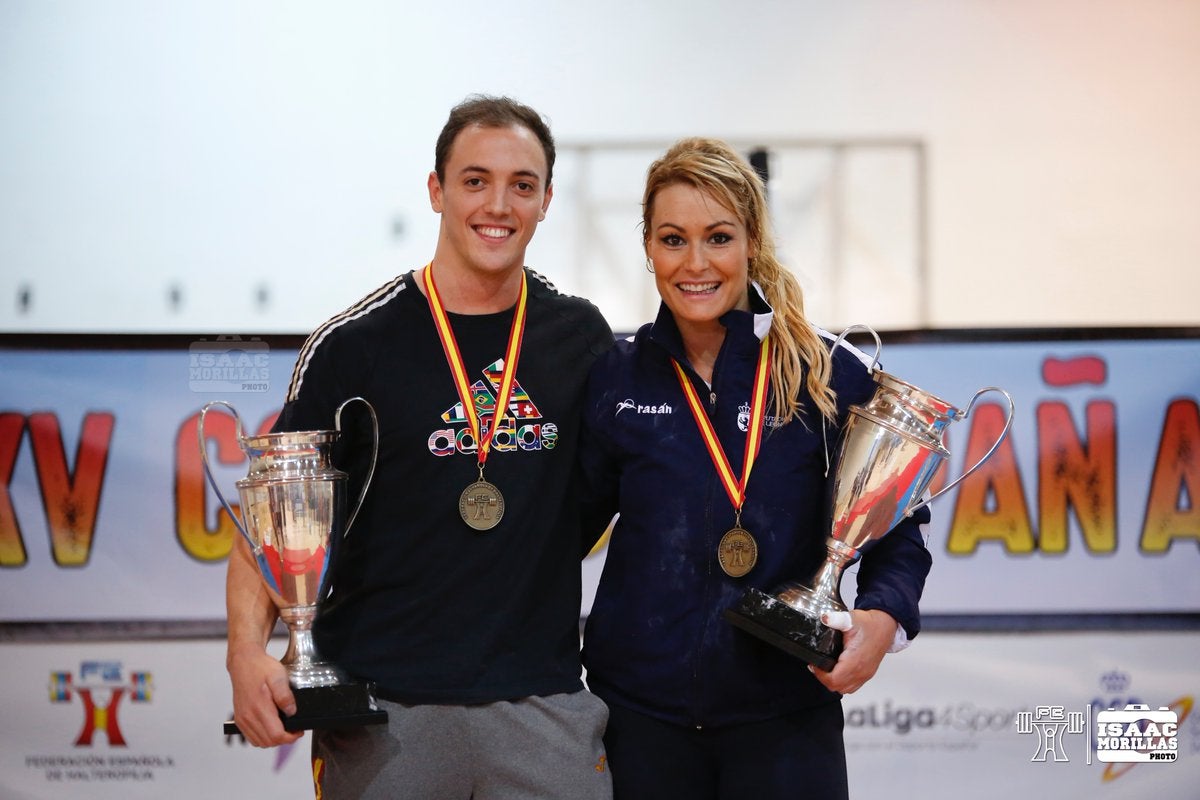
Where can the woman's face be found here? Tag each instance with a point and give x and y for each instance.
(701, 253)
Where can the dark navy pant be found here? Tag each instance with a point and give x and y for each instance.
(798, 756)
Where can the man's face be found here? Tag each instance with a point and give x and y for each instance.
(492, 199)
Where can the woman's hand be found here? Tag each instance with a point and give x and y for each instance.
(864, 645)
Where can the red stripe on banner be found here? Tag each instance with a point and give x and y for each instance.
(1072, 371)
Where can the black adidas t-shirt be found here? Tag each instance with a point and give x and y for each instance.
(428, 608)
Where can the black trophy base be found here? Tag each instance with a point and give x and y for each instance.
(777, 623)
(347, 705)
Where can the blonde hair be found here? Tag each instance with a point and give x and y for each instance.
(712, 166)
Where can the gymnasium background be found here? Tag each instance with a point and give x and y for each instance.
(1006, 190)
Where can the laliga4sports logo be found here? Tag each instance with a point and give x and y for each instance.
(100, 687)
(510, 436)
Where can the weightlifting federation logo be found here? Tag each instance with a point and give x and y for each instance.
(1137, 734)
(101, 687)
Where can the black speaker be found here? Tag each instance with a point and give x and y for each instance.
(760, 160)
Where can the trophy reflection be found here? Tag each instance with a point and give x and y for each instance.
(888, 453)
(294, 502)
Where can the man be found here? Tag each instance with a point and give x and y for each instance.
(457, 591)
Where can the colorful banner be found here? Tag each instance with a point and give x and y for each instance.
(104, 511)
(981, 716)
(1091, 505)
(997, 716)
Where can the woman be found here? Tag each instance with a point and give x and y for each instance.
(698, 708)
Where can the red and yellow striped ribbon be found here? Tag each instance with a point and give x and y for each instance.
(459, 371)
(735, 488)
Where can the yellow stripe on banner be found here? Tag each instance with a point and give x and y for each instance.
(318, 765)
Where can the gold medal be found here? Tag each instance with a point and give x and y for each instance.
(738, 552)
(481, 505)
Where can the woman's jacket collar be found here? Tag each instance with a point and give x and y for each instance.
(756, 322)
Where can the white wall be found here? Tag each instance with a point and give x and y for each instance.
(224, 146)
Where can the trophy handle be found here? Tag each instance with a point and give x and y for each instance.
(1012, 408)
(337, 423)
(208, 468)
(860, 327)
(871, 370)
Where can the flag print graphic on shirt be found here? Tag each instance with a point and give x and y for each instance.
(516, 431)
(519, 404)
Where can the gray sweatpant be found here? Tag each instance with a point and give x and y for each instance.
(537, 747)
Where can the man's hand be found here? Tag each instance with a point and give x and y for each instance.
(260, 692)
(867, 635)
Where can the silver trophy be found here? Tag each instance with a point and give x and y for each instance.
(293, 503)
(887, 455)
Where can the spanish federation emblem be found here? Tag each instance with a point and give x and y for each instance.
(738, 552)
(481, 506)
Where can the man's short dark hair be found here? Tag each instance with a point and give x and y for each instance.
(491, 112)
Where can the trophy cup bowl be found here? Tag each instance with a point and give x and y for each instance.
(293, 503)
(887, 455)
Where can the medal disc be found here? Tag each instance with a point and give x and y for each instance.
(737, 553)
(481, 505)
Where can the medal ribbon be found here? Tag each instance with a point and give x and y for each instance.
(736, 489)
(459, 371)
